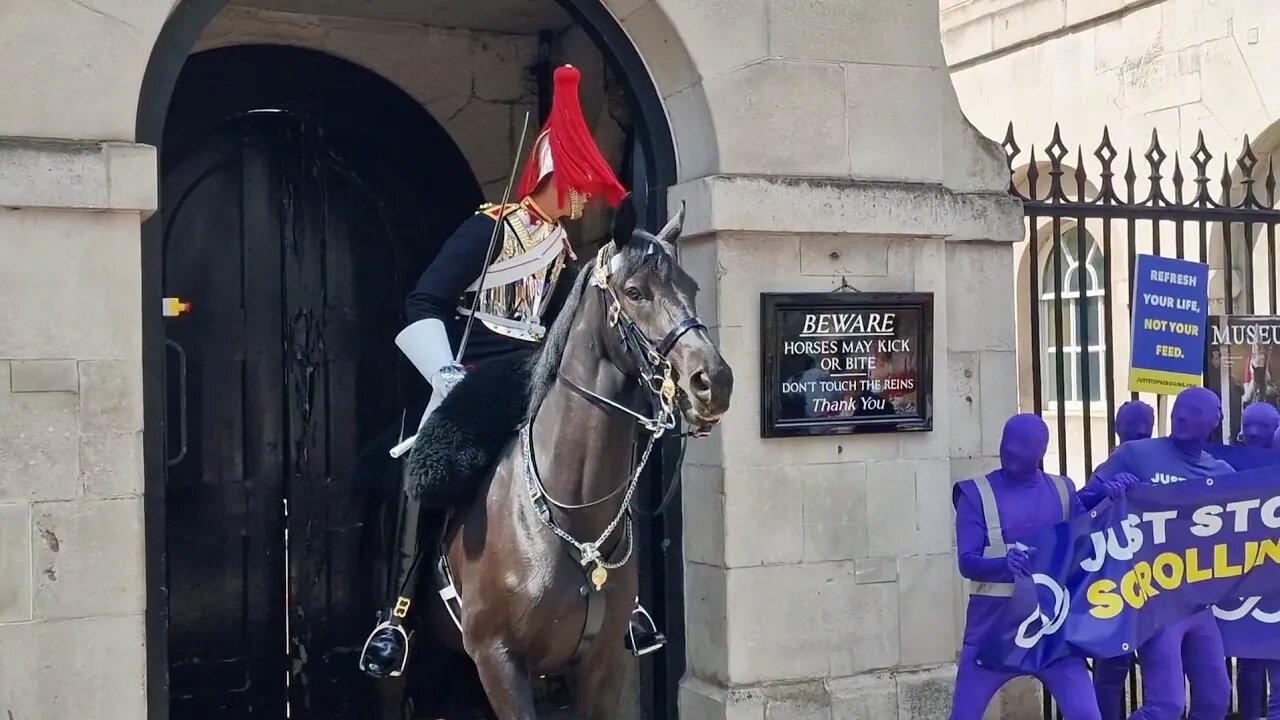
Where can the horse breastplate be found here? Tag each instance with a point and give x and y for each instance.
(520, 282)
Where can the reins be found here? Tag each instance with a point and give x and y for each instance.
(658, 378)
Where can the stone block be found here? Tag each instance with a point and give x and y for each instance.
(702, 497)
(786, 205)
(622, 9)
(72, 669)
(891, 508)
(763, 515)
(999, 396)
(926, 693)
(718, 37)
(44, 376)
(835, 627)
(798, 701)
(695, 136)
(925, 585)
(77, 175)
(835, 511)
(15, 562)
(965, 417)
(111, 465)
(969, 40)
(698, 258)
(88, 544)
(844, 255)
(864, 697)
(749, 265)
(935, 518)
(800, 95)
(482, 131)
(876, 570)
(1020, 699)
(706, 623)
(111, 396)
(703, 701)
(67, 271)
(39, 459)
(668, 58)
(895, 122)
(496, 61)
(1028, 19)
(980, 314)
(95, 52)
(866, 31)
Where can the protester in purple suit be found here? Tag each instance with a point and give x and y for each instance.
(1135, 420)
(1162, 461)
(1258, 427)
(993, 513)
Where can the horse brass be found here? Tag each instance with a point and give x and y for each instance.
(598, 576)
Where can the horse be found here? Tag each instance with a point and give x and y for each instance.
(539, 551)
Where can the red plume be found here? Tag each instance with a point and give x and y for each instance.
(577, 161)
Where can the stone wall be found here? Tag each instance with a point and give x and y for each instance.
(71, 523)
(818, 141)
(475, 84)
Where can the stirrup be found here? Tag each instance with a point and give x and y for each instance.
(649, 640)
(364, 652)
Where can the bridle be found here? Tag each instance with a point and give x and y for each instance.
(658, 377)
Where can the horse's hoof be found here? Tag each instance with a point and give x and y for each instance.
(384, 653)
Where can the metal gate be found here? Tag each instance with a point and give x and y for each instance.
(1087, 220)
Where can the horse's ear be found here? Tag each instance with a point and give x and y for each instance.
(671, 231)
(624, 222)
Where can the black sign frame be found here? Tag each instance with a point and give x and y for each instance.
(771, 304)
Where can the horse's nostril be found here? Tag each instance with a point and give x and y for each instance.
(699, 384)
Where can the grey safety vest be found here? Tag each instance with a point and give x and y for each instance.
(996, 547)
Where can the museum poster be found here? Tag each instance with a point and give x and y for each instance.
(1242, 366)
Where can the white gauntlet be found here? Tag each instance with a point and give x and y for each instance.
(426, 344)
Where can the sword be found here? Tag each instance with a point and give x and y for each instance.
(452, 374)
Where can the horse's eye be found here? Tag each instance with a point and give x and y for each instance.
(634, 294)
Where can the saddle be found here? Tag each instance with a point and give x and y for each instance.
(459, 445)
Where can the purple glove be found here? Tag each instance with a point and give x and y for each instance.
(1019, 561)
(1117, 485)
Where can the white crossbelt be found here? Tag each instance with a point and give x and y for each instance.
(523, 265)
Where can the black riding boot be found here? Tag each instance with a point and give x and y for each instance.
(386, 651)
(642, 635)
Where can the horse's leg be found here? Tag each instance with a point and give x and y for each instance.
(506, 682)
(599, 681)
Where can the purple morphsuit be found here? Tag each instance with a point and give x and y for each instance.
(1259, 424)
(1194, 644)
(1135, 420)
(1026, 500)
(1258, 428)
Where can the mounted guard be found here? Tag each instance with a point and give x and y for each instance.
(505, 268)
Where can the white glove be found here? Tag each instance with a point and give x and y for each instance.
(426, 344)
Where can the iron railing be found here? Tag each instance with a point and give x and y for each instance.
(1087, 221)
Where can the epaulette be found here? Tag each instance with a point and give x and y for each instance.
(496, 211)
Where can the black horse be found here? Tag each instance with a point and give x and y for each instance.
(539, 463)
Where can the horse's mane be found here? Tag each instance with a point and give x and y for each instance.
(545, 363)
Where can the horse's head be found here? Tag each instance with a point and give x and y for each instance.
(652, 302)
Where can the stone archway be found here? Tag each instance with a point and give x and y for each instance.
(657, 169)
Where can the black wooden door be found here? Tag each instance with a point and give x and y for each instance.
(301, 196)
(283, 368)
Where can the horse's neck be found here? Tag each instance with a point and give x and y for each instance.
(583, 452)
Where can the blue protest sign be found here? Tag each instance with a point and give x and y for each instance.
(1104, 582)
(1170, 306)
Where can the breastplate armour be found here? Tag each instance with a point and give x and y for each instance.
(519, 283)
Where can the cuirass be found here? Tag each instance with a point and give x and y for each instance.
(522, 277)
